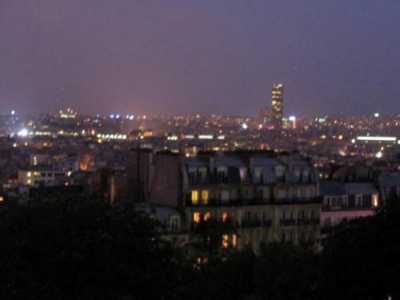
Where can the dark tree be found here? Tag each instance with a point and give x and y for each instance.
(361, 257)
(286, 271)
(83, 250)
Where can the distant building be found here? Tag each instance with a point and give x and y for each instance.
(264, 116)
(140, 174)
(389, 185)
(36, 177)
(277, 106)
(347, 201)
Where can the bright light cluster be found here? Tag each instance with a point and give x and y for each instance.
(112, 136)
(377, 138)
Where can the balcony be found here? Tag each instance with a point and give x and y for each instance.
(288, 222)
(299, 222)
(252, 223)
(222, 203)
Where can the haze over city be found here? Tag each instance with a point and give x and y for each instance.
(183, 56)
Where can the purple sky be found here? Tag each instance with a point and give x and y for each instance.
(214, 56)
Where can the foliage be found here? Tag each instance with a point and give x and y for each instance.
(360, 257)
(82, 250)
(88, 249)
(286, 271)
(206, 238)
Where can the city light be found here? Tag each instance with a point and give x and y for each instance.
(172, 138)
(375, 200)
(68, 114)
(206, 136)
(23, 133)
(293, 120)
(377, 138)
(112, 136)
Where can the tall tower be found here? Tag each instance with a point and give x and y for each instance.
(277, 105)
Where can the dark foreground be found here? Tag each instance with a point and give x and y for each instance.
(87, 249)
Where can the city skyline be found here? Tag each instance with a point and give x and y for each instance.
(208, 149)
(212, 57)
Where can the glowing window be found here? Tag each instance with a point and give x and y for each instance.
(225, 217)
(207, 216)
(375, 200)
(225, 241)
(234, 240)
(204, 197)
(195, 197)
(196, 217)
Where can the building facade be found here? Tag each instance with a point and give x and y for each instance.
(265, 197)
(277, 105)
(346, 201)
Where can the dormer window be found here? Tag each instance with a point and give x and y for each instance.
(306, 175)
(258, 178)
(222, 173)
(296, 174)
(280, 171)
(243, 173)
(203, 174)
(192, 172)
(222, 170)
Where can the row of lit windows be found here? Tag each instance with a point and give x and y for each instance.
(199, 217)
(196, 199)
(359, 201)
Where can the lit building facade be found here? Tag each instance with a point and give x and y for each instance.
(265, 197)
(41, 177)
(344, 201)
(277, 105)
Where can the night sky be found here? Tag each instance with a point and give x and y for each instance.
(211, 56)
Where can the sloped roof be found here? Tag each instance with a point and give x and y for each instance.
(332, 188)
(389, 179)
(360, 188)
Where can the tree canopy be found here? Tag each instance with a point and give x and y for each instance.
(89, 249)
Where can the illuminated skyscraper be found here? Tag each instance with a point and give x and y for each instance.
(277, 105)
